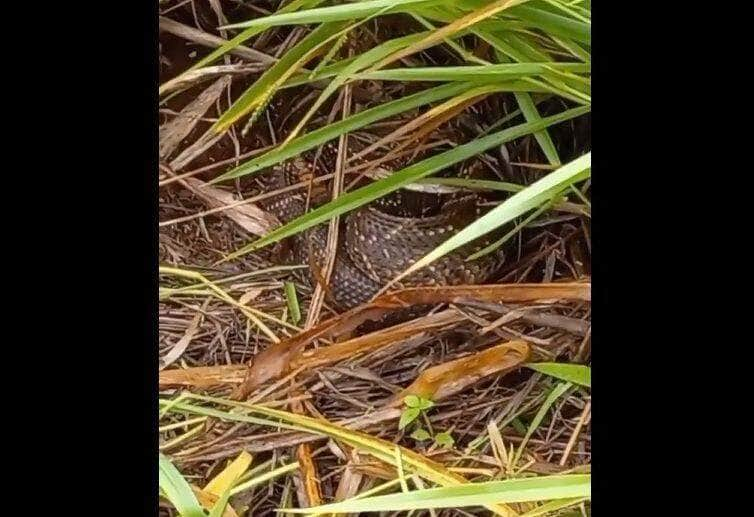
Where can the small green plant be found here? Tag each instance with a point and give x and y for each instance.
(444, 439)
(416, 407)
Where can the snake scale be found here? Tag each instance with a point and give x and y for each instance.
(381, 239)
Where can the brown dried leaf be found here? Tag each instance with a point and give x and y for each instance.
(446, 379)
(248, 216)
(182, 343)
(172, 133)
(276, 360)
(203, 376)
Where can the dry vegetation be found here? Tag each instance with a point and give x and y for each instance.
(463, 349)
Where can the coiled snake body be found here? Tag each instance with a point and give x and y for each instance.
(380, 240)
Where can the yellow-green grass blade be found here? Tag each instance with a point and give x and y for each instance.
(575, 373)
(348, 11)
(552, 23)
(177, 490)
(377, 447)
(219, 508)
(264, 87)
(472, 494)
(361, 62)
(531, 197)
(377, 189)
(554, 395)
(332, 131)
(485, 73)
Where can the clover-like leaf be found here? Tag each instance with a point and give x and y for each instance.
(408, 416)
(420, 435)
(412, 401)
(444, 439)
(425, 403)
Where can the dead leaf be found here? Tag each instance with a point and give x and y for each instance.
(449, 378)
(248, 216)
(183, 343)
(203, 376)
(276, 360)
(172, 133)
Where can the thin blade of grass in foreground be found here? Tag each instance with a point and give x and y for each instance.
(486, 73)
(377, 447)
(262, 89)
(449, 30)
(357, 64)
(554, 395)
(334, 13)
(292, 300)
(473, 494)
(575, 373)
(536, 194)
(369, 193)
(332, 131)
(177, 490)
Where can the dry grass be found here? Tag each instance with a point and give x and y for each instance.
(199, 330)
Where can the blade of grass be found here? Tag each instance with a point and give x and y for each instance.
(543, 137)
(554, 395)
(264, 477)
(475, 73)
(377, 447)
(332, 131)
(357, 64)
(334, 13)
(219, 509)
(531, 197)
(177, 490)
(449, 30)
(575, 373)
(229, 475)
(292, 300)
(257, 93)
(471, 494)
(552, 23)
(364, 195)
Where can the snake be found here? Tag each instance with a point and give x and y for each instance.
(381, 239)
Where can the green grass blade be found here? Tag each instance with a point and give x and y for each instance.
(332, 131)
(364, 60)
(554, 395)
(543, 137)
(349, 11)
(369, 193)
(494, 73)
(264, 86)
(552, 23)
(531, 197)
(292, 300)
(575, 373)
(177, 490)
(472, 494)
